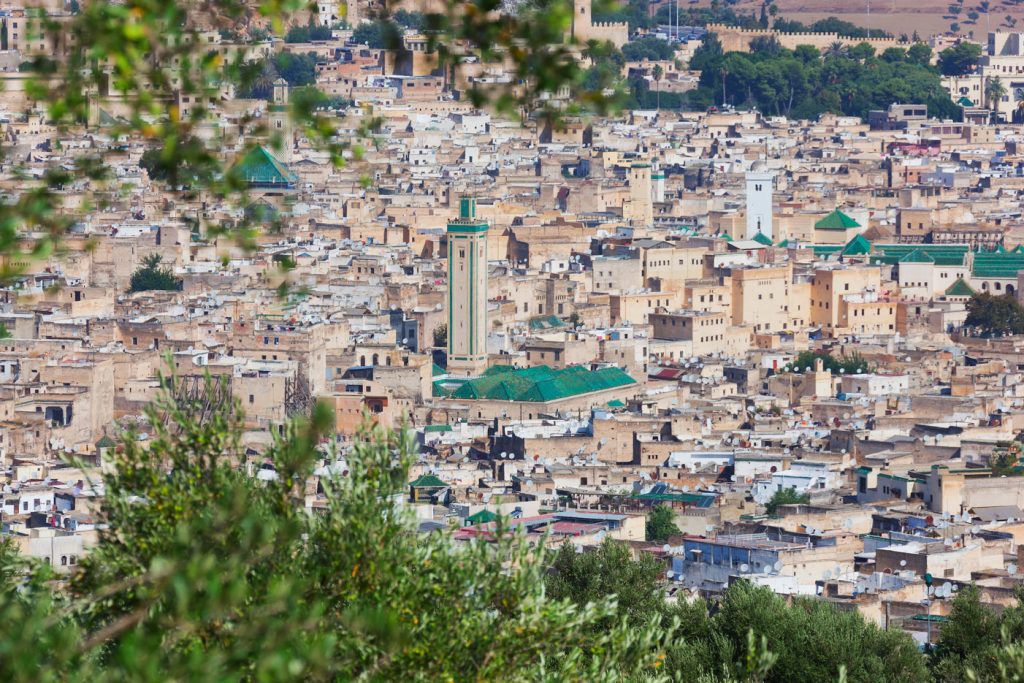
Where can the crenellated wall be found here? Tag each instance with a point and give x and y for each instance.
(735, 39)
(584, 29)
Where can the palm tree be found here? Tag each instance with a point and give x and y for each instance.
(994, 93)
(657, 72)
(836, 49)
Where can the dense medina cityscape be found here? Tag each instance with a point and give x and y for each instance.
(708, 351)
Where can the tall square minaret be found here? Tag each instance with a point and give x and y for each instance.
(760, 182)
(467, 291)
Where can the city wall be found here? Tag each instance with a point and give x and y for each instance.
(735, 39)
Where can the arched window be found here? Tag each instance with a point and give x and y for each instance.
(999, 286)
(984, 285)
(387, 360)
(376, 360)
(63, 560)
(362, 360)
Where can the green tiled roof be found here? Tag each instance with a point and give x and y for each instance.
(482, 517)
(437, 370)
(825, 249)
(965, 102)
(784, 244)
(725, 236)
(858, 246)
(260, 168)
(837, 220)
(546, 322)
(917, 256)
(997, 265)
(762, 238)
(540, 384)
(437, 428)
(428, 481)
(940, 254)
(959, 288)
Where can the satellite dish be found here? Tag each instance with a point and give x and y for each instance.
(744, 568)
(665, 548)
(1012, 569)
(903, 563)
(686, 489)
(778, 565)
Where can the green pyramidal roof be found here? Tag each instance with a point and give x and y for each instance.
(917, 256)
(762, 238)
(428, 481)
(858, 246)
(837, 220)
(959, 288)
(260, 168)
(482, 517)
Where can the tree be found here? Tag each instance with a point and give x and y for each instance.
(150, 276)
(410, 20)
(967, 641)
(991, 315)
(960, 59)
(307, 33)
(657, 73)
(297, 69)
(994, 93)
(634, 12)
(786, 497)
(920, 54)
(441, 336)
(161, 165)
(608, 570)
(648, 47)
(661, 523)
(851, 364)
(812, 641)
(378, 34)
(208, 573)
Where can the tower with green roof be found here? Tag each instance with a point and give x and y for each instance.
(467, 291)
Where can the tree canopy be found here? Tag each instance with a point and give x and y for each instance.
(990, 314)
(805, 82)
(308, 33)
(207, 573)
(647, 47)
(846, 364)
(960, 59)
(750, 634)
(150, 276)
(786, 496)
(661, 523)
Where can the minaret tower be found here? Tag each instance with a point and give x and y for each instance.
(467, 291)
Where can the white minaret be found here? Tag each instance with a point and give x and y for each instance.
(760, 183)
(658, 185)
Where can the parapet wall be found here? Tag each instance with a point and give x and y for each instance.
(615, 33)
(735, 39)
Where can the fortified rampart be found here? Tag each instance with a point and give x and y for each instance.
(735, 39)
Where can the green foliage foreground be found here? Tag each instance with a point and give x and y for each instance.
(206, 573)
(209, 574)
